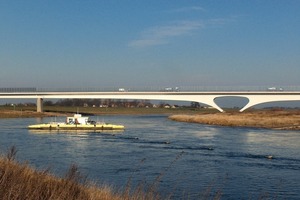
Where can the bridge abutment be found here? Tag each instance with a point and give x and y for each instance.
(39, 105)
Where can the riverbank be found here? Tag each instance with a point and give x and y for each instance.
(272, 119)
(20, 181)
(27, 114)
(50, 111)
(286, 119)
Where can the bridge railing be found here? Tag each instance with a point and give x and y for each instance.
(151, 89)
(18, 89)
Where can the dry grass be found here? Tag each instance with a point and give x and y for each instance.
(20, 181)
(4, 113)
(274, 119)
(27, 111)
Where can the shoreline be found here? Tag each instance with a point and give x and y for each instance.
(49, 111)
(19, 180)
(282, 119)
(27, 114)
(268, 119)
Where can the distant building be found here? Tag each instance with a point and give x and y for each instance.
(167, 106)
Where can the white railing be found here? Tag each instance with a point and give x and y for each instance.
(152, 89)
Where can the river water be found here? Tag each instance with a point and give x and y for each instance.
(183, 160)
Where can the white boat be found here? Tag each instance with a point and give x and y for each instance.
(77, 122)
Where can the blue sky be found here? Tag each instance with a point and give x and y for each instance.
(136, 43)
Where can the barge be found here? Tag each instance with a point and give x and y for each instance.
(77, 122)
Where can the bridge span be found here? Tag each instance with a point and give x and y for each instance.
(254, 98)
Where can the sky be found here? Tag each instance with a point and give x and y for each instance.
(139, 43)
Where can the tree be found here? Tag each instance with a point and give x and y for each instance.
(195, 104)
(48, 103)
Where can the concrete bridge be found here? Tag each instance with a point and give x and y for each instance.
(254, 98)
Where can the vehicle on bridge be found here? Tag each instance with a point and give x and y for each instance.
(77, 122)
(170, 89)
(275, 89)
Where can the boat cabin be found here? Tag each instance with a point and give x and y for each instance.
(77, 119)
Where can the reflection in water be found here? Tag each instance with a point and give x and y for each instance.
(278, 138)
(76, 132)
(233, 159)
(39, 120)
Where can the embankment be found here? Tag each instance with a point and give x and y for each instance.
(20, 181)
(271, 119)
(27, 114)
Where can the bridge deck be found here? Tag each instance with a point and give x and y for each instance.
(206, 97)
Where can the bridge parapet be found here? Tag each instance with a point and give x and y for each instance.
(154, 89)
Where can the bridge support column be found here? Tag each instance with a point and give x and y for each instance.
(39, 105)
(209, 100)
(214, 105)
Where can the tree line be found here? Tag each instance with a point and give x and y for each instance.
(99, 103)
(104, 103)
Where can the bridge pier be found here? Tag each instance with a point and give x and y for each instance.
(39, 105)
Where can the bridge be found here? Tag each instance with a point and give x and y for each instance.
(254, 97)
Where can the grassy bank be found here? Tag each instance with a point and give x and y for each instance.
(30, 111)
(20, 181)
(274, 119)
(288, 119)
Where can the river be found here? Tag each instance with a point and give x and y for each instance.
(183, 160)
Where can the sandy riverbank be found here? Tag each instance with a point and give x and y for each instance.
(10, 112)
(272, 119)
(27, 114)
(288, 119)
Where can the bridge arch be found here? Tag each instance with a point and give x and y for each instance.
(259, 99)
(252, 99)
(231, 101)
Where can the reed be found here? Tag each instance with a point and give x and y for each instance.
(29, 111)
(20, 181)
(288, 120)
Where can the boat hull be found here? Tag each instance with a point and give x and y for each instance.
(76, 127)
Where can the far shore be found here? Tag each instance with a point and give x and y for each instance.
(285, 119)
(27, 114)
(50, 111)
(288, 119)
